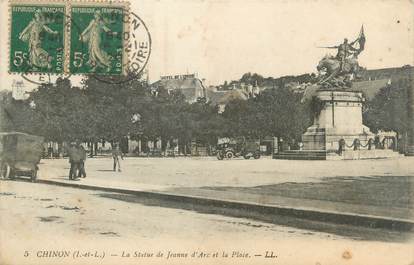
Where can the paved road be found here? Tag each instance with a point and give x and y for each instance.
(166, 173)
(41, 218)
(372, 188)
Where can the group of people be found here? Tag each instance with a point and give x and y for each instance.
(77, 158)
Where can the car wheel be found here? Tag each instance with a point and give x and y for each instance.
(33, 175)
(229, 155)
(220, 156)
(5, 170)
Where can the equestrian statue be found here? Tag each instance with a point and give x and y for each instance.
(338, 71)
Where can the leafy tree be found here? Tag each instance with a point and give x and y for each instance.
(275, 112)
(252, 79)
(17, 115)
(61, 110)
(388, 109)
(113, 107)
(104, 111)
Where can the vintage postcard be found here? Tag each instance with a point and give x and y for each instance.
(207, 132)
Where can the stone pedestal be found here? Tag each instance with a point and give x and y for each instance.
(340, 118)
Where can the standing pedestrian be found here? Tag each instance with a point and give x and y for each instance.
(50, 152)
(116, 154)
(75, 158)
(72, 165)
(82, 152)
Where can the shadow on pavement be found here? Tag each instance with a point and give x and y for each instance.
(353, 232)
(383, 191)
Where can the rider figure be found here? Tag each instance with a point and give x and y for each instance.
(344, 51)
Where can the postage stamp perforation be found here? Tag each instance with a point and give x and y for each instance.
(126, 3)
(10, 36)
(67, 40)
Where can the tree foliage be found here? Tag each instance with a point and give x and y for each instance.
(104, 111)
(274, 112)
(388, 109)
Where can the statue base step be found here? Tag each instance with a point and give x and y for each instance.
(346, 155)
(410, 150)
(328, 139)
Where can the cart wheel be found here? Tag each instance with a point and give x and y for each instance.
(5, 170)
(34, 175)
(246, 157)
(220, 155)
(229, 155)
(257, 156)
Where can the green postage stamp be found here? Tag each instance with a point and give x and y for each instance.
(62, 37)
(37, 39)
(96, 39)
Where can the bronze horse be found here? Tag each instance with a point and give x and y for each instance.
(332, 67)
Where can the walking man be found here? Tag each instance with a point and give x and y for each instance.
(82, 172)
(116, 154)
(72, 170)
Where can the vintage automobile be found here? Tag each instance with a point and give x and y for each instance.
(20, 154)
(238, 147)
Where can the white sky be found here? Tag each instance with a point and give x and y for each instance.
(223, 39)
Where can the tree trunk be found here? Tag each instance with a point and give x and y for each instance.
(91, 149)
(60, 149)
(139, 145)
(185, 148)
(96, 148)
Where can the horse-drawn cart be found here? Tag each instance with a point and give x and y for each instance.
(20, 154)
